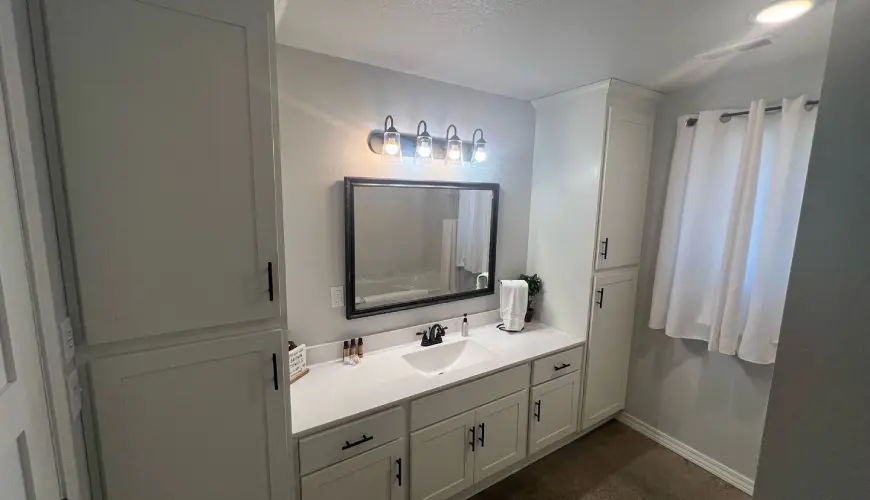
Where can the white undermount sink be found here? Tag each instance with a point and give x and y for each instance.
(443, 358)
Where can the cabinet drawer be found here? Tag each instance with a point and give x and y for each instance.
(558, 364)
(450, 402)
(349, 440)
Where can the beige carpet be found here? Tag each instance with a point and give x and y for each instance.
(612, 463)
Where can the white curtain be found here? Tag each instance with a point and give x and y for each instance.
(473, 230)
(729, 228)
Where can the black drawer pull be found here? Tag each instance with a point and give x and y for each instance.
(275, 369)
(600, 300)
(348, 445)
(538, 411)
(271, 285)
(605, 243)
(472, 437)
(399, 474)
(564, 365)
(482, 437)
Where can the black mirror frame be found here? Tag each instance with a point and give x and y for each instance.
(350, 256)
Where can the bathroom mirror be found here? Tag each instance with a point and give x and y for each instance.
(416, 243)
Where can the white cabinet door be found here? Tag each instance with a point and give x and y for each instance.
(610, 334)
(502, 427)
(554, 411)
(442, 458)
(165, 117)
(375, 475)
(623, 192)
(202, 421)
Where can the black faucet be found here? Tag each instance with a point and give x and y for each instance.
(436, 331)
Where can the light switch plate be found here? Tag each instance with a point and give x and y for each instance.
(337, 293)
(68, 340)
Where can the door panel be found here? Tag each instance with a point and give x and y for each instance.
(27, 462)
(206, 419)
(442, 460)
(374, 475)
(502, 427)
(623, 193)
(170, 188)
(554, 411)
(610, 335)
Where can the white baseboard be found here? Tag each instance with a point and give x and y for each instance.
(712, 466)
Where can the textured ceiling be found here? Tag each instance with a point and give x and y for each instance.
(532, 48)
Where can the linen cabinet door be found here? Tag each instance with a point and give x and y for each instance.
(202, 421)
(623, 191)
(609, 349)
(502, 428)
(165, 117)
(442, 458)
(554, 411)
(378, 474)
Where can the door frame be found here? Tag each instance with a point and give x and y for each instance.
(31, 146)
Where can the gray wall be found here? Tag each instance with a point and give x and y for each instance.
(817, 437)
(398, 231)
(711, 402)
(327, 108)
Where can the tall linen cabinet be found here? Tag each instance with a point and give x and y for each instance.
(591, 166)
(165, 126)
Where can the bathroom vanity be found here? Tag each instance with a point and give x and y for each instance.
(434, 422)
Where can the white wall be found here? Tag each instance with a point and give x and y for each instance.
(327, 108)
(711, 402)
(817, 437)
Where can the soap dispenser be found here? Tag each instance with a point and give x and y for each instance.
(464, 328)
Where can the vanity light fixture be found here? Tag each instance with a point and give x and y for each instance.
(423, 151)
(478, 148)
(392, 148)
(453, 156)
(784, 11)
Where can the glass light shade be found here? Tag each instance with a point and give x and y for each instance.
(392, 146)
(784, 11)
(479, 155)
(424, 148)
(478, 148)
(453, 156)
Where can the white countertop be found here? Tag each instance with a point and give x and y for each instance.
(332, 392)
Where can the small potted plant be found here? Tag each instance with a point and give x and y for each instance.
(535, 286)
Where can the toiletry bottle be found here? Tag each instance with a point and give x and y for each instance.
(352, 347)
(345, 352)
(359, 347)
(465, 325)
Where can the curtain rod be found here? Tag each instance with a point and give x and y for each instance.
(726, 117)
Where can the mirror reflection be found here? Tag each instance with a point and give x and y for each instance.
(416, 245)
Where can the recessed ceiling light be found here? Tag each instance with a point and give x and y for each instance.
(784, 11)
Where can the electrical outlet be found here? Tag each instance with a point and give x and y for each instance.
(69, 343)
(337, 293)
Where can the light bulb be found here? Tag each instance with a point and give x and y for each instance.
(479, 148)
(784, 11)
(424, 151)
(392, 145)
(453, 157)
